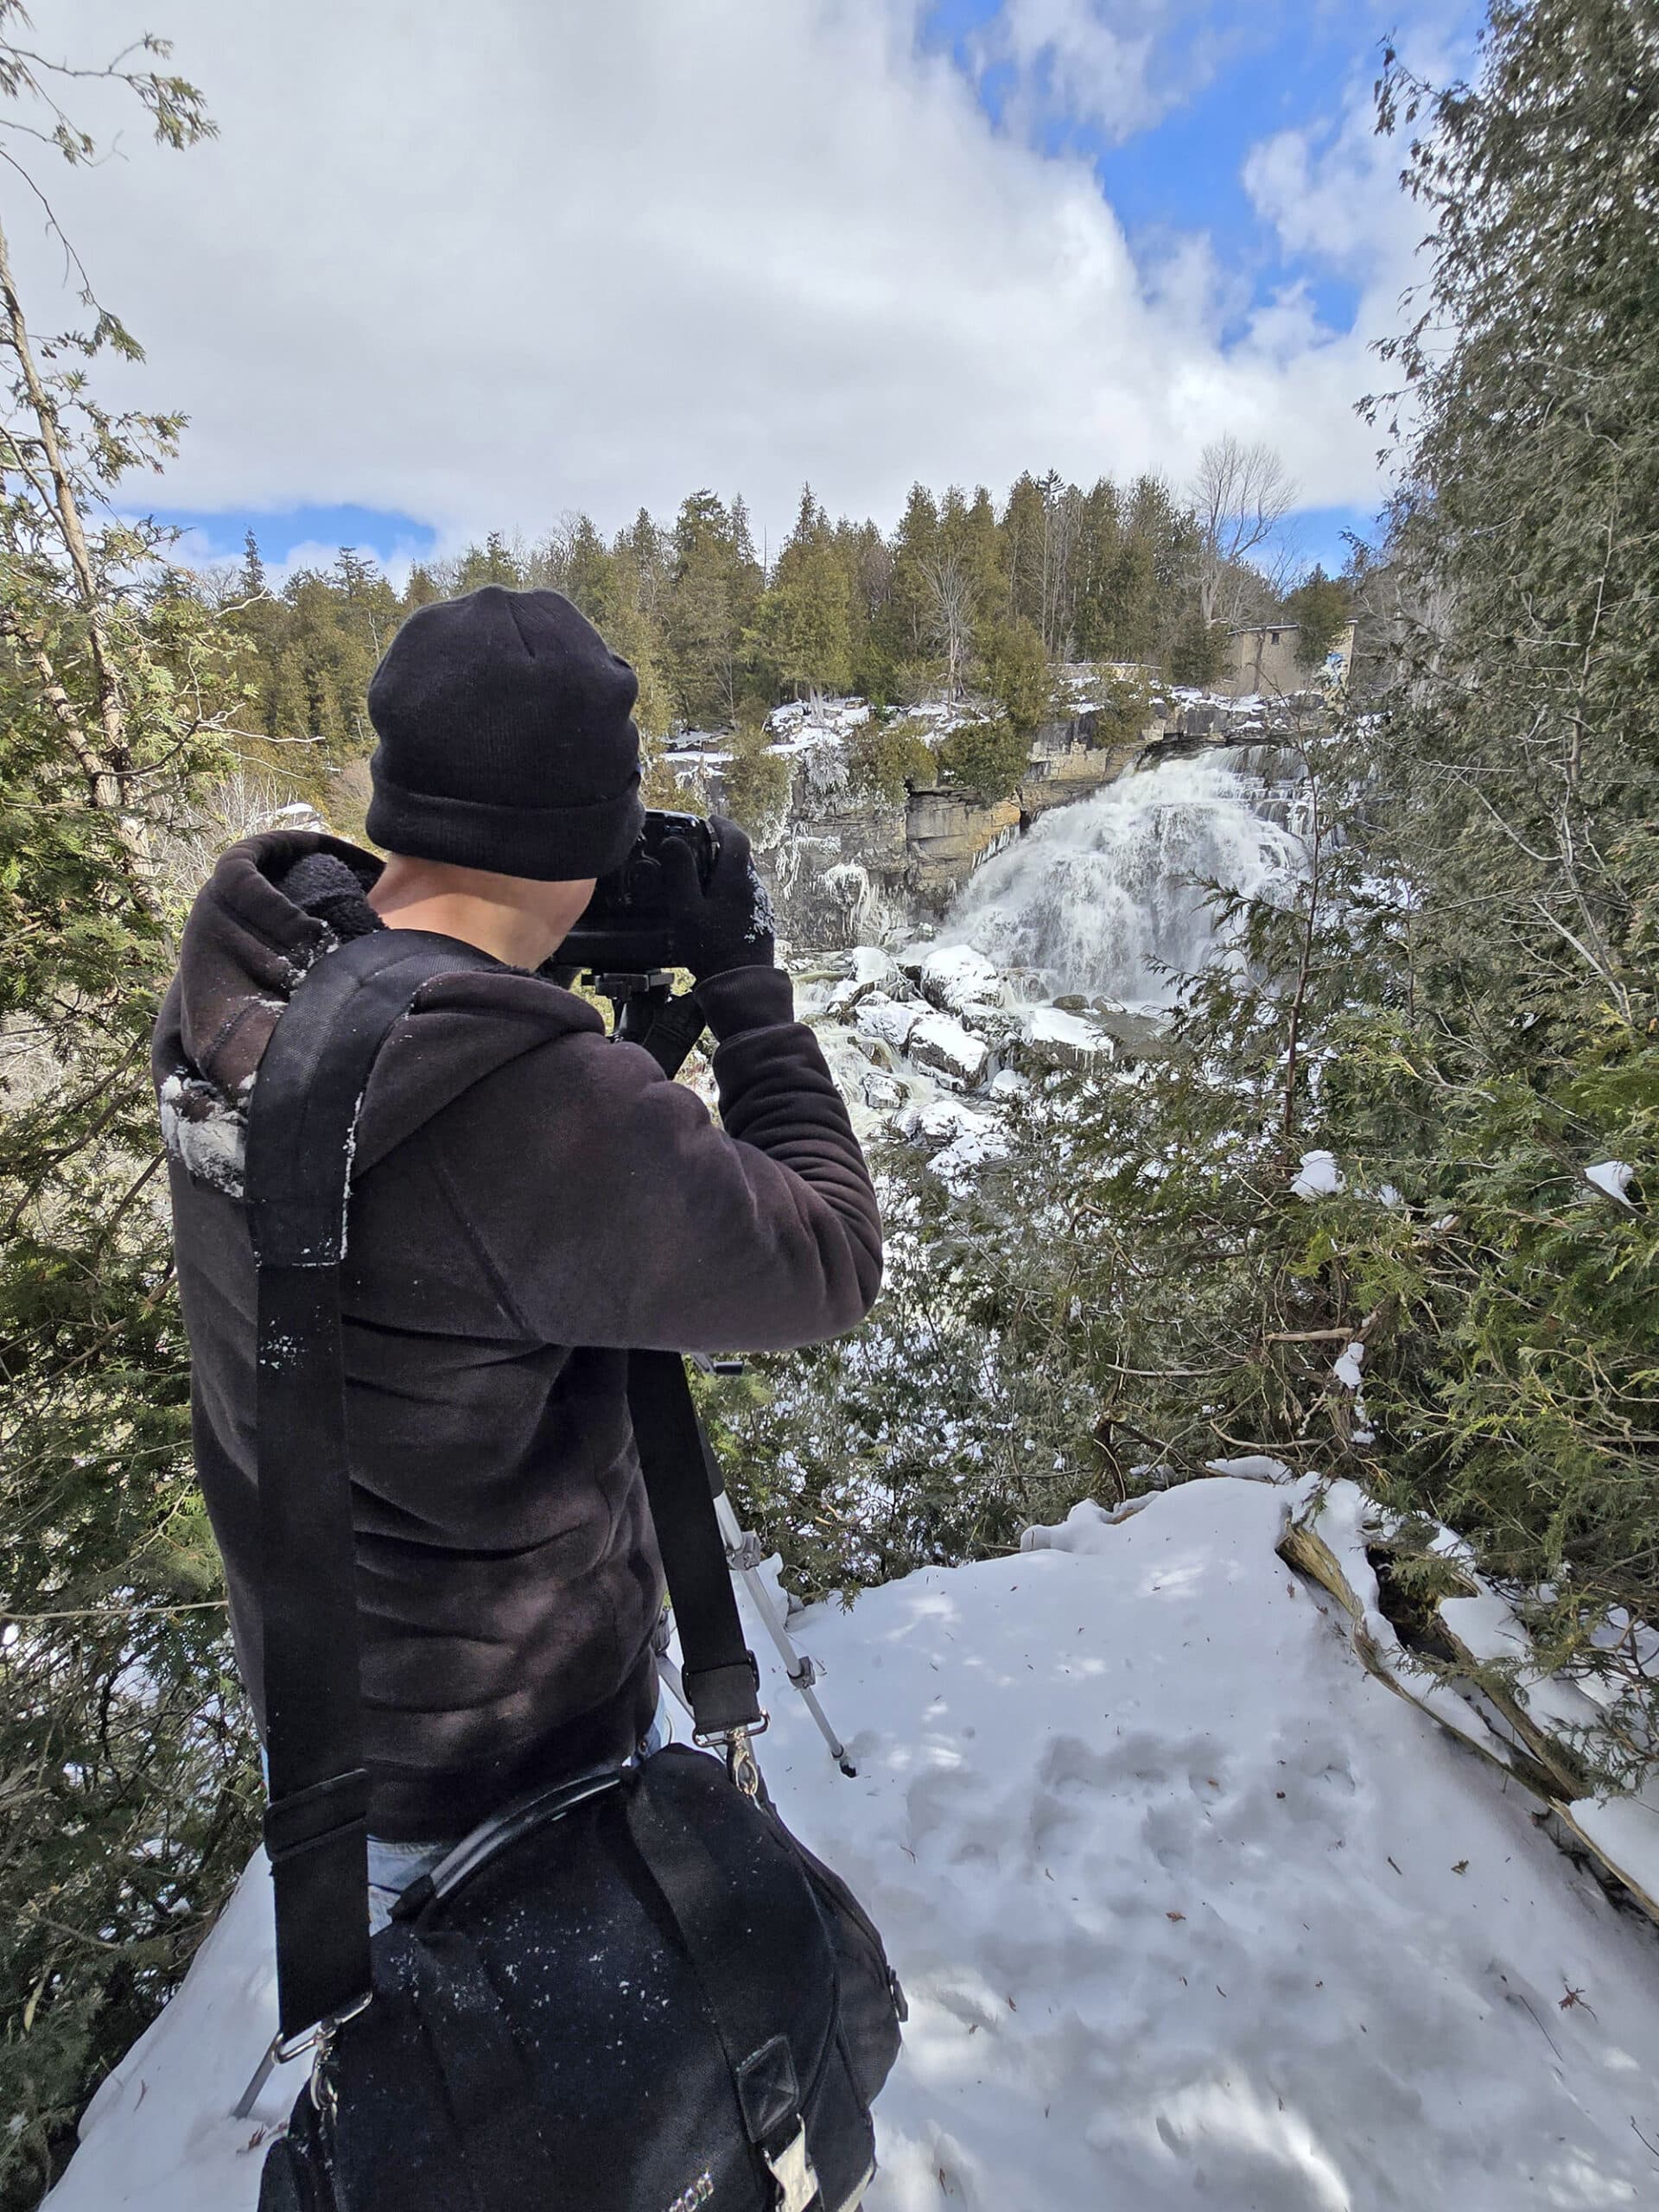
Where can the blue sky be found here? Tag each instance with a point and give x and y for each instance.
(1240, 304)
(306, 530)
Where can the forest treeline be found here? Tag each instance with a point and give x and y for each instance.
(962, 593)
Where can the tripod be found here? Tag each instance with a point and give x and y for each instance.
(649, 1015)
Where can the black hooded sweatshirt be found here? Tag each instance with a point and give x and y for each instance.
(529, 1198)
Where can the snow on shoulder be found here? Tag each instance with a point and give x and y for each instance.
(1191, 1912)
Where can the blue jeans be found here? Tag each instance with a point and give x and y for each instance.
(393, 1866)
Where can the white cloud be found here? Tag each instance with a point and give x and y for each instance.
(1066, 56)
(1330, 190)
(481, 265)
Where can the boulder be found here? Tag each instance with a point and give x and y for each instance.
(885, 1020)
(1134, 1036)
(883, 1094)
(870, 969)
(948, 1051)
(960, 979)
(1053, 1038)
(943, 1121)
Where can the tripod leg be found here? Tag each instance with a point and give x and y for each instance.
(741, 1551)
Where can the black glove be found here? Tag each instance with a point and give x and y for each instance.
(727, 925)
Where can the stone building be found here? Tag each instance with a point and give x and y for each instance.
(1262, 662)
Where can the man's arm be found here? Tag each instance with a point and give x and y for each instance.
(614, 1211)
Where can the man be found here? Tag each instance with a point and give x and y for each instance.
(529, 1200)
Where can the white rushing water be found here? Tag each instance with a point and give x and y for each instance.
(1105, 896)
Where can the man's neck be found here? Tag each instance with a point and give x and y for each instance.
(515, 920)
(500, 930)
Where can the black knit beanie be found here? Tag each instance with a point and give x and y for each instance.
(505, 739)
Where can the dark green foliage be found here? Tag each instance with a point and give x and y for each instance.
(890, 758)
(986, 758)
(1198, 653)
(754, 787)
(1320, 607)
(124, 1745)
(928, 1435)
(957, 599)
(1124, 711)
(1015, 671)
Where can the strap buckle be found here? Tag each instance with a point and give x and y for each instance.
(741, 1766)
(793, 2169)
(285, 2048)
(281, 2049)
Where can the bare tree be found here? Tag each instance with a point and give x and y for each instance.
(1240, 496)
(951, 602)
(1062, 520)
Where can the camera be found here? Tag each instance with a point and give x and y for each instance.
(626, 927)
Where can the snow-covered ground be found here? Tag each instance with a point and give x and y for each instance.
(1194, 1916)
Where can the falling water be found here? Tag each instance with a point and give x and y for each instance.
(1105, 896)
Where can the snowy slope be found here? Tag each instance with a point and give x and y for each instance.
(1193, 1915)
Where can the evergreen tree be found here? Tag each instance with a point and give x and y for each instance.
(703, 635)
(254, 568)
(805, 613)
(495, 562)
(905, 628)
(1319, 608)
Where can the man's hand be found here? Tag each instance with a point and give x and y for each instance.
(727, 925)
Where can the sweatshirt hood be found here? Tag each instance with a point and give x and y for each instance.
(246, 945)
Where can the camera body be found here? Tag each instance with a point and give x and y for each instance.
(626, 927)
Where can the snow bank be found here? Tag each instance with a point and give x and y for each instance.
(1194, 1916)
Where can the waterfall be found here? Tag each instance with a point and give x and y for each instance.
(1100, 897)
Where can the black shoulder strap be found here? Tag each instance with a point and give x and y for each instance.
(722, 1682)
(302, 1116)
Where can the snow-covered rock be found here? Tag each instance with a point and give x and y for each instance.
(942, 1121)
(961, 1159)
(947, 1050)
(887, 1019)
(1191, 1912)
(1052, 1038)
(871, 969)
(959, 980)
(883, 1094)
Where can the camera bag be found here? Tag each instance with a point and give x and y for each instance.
(632, 1990)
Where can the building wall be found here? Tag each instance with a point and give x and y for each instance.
(1263, 662)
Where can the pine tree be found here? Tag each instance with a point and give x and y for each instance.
(905, 628)
(703, 635)
(254, 568)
